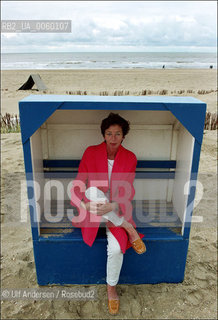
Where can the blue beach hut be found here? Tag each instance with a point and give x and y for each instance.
(166, 136)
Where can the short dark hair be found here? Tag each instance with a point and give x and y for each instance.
(113, 119)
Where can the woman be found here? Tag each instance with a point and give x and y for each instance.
(102, 192)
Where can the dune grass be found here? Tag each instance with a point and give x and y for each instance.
(10, 123)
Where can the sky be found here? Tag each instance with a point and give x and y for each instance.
(119, 26)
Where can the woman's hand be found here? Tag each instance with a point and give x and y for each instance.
(100, 208)
(93, 207)
(103, 208)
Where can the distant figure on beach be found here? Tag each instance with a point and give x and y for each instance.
(211, 67)
(102, 192)
(163, 66)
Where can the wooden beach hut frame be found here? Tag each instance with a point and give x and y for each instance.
(166, 136)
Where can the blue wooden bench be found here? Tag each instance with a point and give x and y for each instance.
(55, 165)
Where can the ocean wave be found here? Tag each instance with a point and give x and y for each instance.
(64, 62)
(107, 61)
(184, 61)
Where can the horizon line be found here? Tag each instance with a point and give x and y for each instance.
(110, 52)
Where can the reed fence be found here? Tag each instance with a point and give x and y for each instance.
(11, 122)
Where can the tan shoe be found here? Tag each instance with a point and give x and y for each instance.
(113, 306)
(139, 246)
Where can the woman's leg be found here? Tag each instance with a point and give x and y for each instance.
(114, 265)
(114, 259)
(114, 253)
(94, 194)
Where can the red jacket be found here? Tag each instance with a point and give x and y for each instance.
(93, 171)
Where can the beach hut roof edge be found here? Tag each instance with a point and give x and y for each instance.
(36, 109)
(96, 98)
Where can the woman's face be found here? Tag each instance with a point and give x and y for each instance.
(113, 137)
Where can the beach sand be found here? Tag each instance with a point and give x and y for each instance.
(195, 297)
(180, 82)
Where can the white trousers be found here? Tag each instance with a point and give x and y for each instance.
(114, 253)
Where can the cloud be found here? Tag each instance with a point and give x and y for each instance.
(116, 24)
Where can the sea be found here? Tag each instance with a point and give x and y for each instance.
(108, 60)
